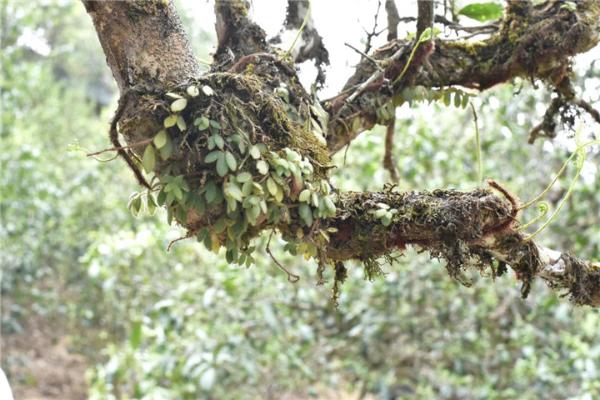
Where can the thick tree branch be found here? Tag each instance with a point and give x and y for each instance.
(466, 229)
(533, 41)
(268, 168)
(163, 57)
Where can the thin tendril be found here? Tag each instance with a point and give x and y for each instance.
(560, 172)
(478, 145)
(581, 162)
(306, 17)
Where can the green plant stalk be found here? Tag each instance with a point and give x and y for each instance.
(581, 152)
(477, 146)
(543, 212)
(425, 36)
(304, 22)
(560, 172)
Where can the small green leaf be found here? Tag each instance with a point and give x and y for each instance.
(262, 167)
(482, 11)
(211, 142)
(254, 152)
(135, 203)
(329, 205)
(222, 167)
(219, 141)
(426, 35)
(457, 99)
(386, 220)
(314, 200)
(160, 139)
(151, 204)
(149, 158)
(201, 123)
(244, 177)
(178, 105)
(279, 194)
(465, 100)
(271, 186)
(167, 150)
(212, 157)
(379, 213)
(230, 159)
(192, 91)
(207, 90)
(210, 192)
(181, 123)
(232, 190)
(570, 5)
(447, 98)
(247, 188)
(170, 121)
(304, 196)
(306, 214)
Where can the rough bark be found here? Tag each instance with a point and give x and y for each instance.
(252, 92)
(534, 42)
(144, 43)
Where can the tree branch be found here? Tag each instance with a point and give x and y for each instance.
(164, 56)
(466, 229)
(425, 15)
(269, 167)
(534, 42)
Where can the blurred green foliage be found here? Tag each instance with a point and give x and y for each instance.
(185, 325)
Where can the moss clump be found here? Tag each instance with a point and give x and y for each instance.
(237, 153)
(582, 280)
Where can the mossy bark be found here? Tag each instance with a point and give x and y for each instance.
(257, 94)
(535, 42)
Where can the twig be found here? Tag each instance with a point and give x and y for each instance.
(145, 141)
(365, 55)
(373, 33)
(388, 159)
(114, 138)
(291, 277)
(172, 242)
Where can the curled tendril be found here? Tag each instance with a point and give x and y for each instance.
(579, 155)
(543, 208)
